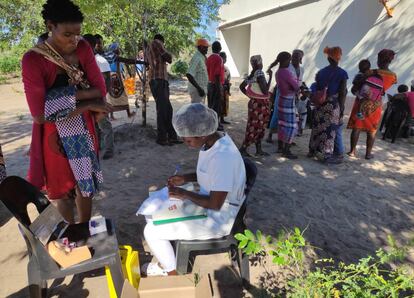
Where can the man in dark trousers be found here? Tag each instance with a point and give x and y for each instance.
(158, 58)
(215, 69)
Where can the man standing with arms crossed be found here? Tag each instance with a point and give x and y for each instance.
(158, 59)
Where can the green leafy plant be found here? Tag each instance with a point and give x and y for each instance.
(179, 67)
(286, 249)
(9, 64)
(372, 276)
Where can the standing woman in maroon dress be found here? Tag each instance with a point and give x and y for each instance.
(64, 90)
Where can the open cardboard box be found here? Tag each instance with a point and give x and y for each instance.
(180, 286)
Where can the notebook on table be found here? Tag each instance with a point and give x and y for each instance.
(162, 209)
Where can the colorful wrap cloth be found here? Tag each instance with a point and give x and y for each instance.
(76, 139)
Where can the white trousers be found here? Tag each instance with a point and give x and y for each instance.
(158, 237)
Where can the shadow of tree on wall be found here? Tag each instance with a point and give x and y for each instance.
(350, 27)
(361, 29)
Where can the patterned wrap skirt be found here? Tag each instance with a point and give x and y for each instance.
(371, 110)
(287, 123)
(258, 117)
(326, 121)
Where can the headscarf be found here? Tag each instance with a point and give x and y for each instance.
(386, 56)
(335, 53)
(110, 55)
(283, 56)
(297, 51)
(255, 60)
(113, 46)
(202, 42)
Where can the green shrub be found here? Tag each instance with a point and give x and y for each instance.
(9, 64)
(372, 276)
(179, 67)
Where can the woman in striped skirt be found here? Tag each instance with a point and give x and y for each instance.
(288, 87)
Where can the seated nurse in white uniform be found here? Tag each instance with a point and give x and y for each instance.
(222, 178)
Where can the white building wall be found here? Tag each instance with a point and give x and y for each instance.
(242, 8)
(239, 52)
(360, 27)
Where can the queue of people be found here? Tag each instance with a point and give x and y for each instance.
(292, 98)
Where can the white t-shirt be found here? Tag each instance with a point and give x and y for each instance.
(102, 63)
(292, 69)
(221, 168)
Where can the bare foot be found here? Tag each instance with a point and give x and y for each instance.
(311, 154)
(131, 114)
(369, 156)
(262, 153)
(351, 154)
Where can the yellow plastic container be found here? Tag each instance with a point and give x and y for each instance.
(130, 269)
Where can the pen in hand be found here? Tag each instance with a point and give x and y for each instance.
(177, 169)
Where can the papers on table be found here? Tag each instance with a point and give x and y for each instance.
(160, 208)
(156, 201)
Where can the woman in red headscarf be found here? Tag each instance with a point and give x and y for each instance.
(369, 123)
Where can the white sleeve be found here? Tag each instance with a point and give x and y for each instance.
(221, 172)
(102, 64)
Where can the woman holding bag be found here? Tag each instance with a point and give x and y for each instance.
(117, 94)
(64, 90)
(327, 120)
(257, 89)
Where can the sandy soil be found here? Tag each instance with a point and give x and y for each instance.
(348, 209)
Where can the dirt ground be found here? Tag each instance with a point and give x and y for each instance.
(348, 209)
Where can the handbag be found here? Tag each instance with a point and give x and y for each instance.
(116, 95)
(318, 98)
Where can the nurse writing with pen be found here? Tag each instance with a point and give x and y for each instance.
(221, 175)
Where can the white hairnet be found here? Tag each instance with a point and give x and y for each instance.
(195, 120)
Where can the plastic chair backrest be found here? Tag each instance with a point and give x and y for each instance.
(36, 248)
(16, 193)
(251, 174)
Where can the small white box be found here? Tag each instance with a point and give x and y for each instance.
(97, 225)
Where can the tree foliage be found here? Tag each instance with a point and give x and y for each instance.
(124, 21)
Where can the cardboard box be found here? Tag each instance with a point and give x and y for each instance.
(66, 259)
(180, 286)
